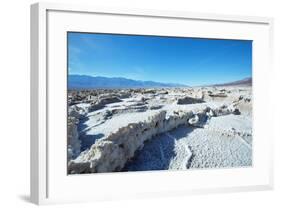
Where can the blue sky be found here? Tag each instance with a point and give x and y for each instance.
(190, 61)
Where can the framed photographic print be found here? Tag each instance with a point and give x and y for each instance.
(133, 103)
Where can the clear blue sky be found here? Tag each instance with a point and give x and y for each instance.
(190, 61)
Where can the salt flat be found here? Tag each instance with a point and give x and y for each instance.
(190, 147)
(158, 129)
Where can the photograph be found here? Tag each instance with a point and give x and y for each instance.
(157, 103)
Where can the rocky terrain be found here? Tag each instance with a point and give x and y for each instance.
(159, 128)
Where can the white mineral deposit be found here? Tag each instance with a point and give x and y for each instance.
(159, 128)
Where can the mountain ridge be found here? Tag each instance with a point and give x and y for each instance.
(246, 82)
(92, 82)
(98, 82)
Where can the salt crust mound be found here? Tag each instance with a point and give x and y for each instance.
(112, 152)
(74, 144)
(223, 142)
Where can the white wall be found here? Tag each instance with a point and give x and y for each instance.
(14, 103)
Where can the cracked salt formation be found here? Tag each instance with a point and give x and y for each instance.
(151, 130)
(209, 147)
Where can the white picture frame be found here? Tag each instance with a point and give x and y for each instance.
(50, 184)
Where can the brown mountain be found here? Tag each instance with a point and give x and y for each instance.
(244, 82)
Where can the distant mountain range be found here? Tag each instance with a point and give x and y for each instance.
(89, 82)
(245, 82)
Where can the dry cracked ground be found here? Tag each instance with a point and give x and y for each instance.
(159, 129)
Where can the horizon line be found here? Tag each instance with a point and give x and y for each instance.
(188, 85)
